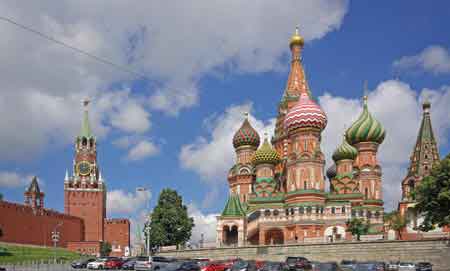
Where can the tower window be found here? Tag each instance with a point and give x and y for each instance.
(309, 209)
(343, 210)
(267, 212)
(275, 212)
(305, 185)
(301, 210)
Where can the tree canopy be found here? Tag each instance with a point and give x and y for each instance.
(395, 221)
(358, 227)
(170, 224)
(433, 196)
(105, 249)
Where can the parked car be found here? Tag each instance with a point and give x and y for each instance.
(113, 263)
(330, 266)
(151, 262)
(424, 266)
(189, 266)
(406, 266)
(97, 264)
(349, 264)
(129, 264)
(242, 265)
(217, 266)
(2, 269)
(380, 266)
(392, 266)
(272, 266)
(81, 263)
(365, 266)
(298, 263)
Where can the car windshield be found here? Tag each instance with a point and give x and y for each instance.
(406, 264)
(142, 259)
(291, 260)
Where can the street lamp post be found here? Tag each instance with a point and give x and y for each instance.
(55, 238)
(147, 222)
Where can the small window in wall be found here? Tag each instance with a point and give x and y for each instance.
(377, 214)
(361, 213)
(343, 210)
(333, 210)
(353, 213)
(309, 209)
(292, 211)
(369, 214)
(276, 213)
(286, 211)
(267, 212)
(305, 185)
(321, 210)
(366, 193)
(301, 210)
(317, 209)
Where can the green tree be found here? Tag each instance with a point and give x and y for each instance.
(433, 196)
(358, 227)
(1, 196)
(170, 224)
(396, 222)
(105, 249)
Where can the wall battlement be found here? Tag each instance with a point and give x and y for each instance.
(28, 210)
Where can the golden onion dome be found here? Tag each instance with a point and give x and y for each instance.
(296, 39)
(266, 154)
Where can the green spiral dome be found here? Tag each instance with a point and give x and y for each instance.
(365, 129)
(265, 155)
(345, 151)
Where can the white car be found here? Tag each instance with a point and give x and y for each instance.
(404, 266)
(97, 264)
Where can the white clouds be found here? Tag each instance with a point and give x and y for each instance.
(144, 37)
(141, 150)
(212, 157)
(11, 179)
(434, 58)
(204, 224)
(122, 202)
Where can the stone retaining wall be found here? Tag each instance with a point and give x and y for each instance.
(434, 251)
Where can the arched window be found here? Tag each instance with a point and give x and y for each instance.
(275, 213)
(91, 143)
(292, 211)
(377, 214)
(287, 211)
(84, 142)
(333, 210)
(366, 193)
(343, 210)
(361, 213)
(369, 214)
(309, 209)
(321, 210)
(317, 209)
(305, 185)
(301, 210)
(267, 212)
(353, 213)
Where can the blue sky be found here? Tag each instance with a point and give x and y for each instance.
(202, 72)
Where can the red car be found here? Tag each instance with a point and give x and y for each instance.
(113, 263)
(217, 266)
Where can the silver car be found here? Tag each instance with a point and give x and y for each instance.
(406, 266)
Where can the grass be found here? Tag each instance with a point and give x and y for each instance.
(20, 254)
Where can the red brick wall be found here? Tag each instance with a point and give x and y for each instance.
(117, 233)
(91, 207)
(21, 225)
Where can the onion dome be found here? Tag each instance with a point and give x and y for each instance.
(296, 39)
(345, 151)
(266, 154)
(305, 114)
(246, 135)
(331, 171)
(366, 128)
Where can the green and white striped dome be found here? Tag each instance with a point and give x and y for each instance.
(366, 128)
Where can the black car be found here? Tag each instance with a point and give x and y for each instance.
(2, 269)
(129, 264)
(424, 266)
(82, 263)
(298, 263)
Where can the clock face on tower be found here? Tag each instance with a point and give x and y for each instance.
(84, 168)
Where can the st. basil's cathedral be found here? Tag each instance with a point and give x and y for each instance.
(277, 189)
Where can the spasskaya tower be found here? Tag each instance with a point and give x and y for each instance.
(85, 190)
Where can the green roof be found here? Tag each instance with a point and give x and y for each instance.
(307, 191)
(233, 207)
(85, 127)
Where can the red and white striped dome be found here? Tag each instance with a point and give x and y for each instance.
(305, 114)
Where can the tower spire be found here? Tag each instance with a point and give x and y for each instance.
(296, 83)
(425, 152)
(85, 126)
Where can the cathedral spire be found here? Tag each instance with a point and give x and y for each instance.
(296, 83)
(425, 152)
(85, 126)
